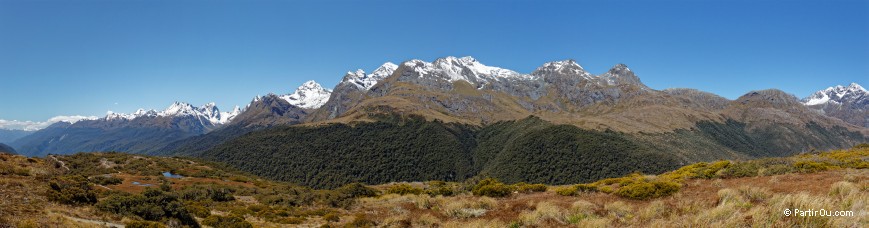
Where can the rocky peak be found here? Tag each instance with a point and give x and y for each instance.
(620, 74)
(564, 68)
(769, 97)
(362, 81)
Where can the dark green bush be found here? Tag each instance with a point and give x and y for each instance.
(203, 192)
(106, 180)
(72, 190)
(152, 205)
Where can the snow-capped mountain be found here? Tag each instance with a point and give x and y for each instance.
(849, 103)
(363, 81)
(464, 68)
(138, 132)
(208, 112)
(309, 95)
(468, 69)
(837, 95)
(564, 67)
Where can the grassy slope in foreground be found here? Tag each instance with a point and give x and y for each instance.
(719, 194)
(98, 188)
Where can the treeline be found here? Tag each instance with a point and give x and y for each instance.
(413, 149)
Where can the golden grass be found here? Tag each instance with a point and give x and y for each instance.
(735, 202)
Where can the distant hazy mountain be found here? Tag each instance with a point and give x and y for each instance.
(850, 103)
(141, 131)
(262, 112)
(7, 149)
(9, 136)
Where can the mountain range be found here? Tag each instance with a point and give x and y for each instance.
(850, 103)
(10, 135)
(7, 149)
(455, 118)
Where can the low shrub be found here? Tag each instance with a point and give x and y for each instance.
(143, 224)
(356, 190)
(152, 205)
(646, 190)
(332, 217)
(742, 169)
(529, 188)
(290, 220)
(585, 188)
(403, 189)
(72, 190)
(207, 192)
(712, 170)
(106, 180)
(810, 166)
(441, 188)
(198, 210)
(228, 222)
(344, 196)
(492, 188)
(566, 191)
(360, 220)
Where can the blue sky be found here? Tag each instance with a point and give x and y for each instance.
(87, 57)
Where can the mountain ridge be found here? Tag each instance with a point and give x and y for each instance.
(851, 103)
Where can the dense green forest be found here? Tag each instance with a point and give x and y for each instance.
(412, 149)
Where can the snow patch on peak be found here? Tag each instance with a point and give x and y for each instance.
(385, 70)
(558, 65)
(565, 67)
(226, 117)
(817, 98)
(309, 95)
(465, 68)
(178, 109)
(208, 112)
(837, 95)
(122, 116)
(365, 81)
(620, 67)
(856, 87)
